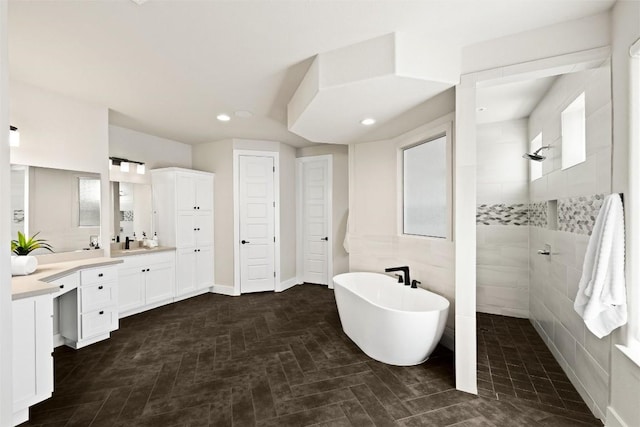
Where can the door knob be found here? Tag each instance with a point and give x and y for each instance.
(245, 241)
(326, 239)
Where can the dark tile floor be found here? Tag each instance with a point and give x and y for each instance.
(282, 360)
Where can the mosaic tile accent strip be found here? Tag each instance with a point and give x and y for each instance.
(578, 214)
(126, 215)
(538, 214)
(503, 214)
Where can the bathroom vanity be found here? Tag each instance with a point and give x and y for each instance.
(86, 291)
(146, 279)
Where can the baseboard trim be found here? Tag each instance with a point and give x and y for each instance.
(57, 340)
(287, 284)
(613, 419)
(224, 290)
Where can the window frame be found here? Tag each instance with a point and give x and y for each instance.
(572, 109)
(425, 134)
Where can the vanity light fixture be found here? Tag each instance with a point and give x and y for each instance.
(368, 121)
(14, 136)
(125, 164)
(223, 117)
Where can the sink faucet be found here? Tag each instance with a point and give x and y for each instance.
(405, 271)
(126, 242)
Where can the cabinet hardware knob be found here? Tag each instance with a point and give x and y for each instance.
(194, 229)
(100, 287)
(61, 286)
(326, 239)
(198, 207)
(100, 274)
(194, 207)
(147, 269)
(143, 270)
(101, 312)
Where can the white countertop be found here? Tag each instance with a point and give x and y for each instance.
(36, 283)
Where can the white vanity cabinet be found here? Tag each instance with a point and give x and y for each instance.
(32, 349)
(146, 281)
(183, 218)
(89, 313)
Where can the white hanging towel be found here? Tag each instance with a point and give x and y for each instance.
(602, 296)
(345, 242)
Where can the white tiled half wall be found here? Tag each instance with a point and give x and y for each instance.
(579, 190)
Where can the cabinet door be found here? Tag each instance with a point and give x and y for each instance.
(204, 267)
(186, 271)
(186, 230)
(159, 283)
(32, 348)
(204, 193)
(204, 230)
(185, 192)
(130, 289)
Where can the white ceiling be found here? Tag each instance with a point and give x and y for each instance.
(510, 101)
(168, 68)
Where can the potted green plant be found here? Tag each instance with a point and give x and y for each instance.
(23, 263)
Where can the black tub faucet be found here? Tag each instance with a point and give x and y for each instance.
(405, 271)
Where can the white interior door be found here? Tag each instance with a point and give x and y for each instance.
(257, 224)
(315, 221)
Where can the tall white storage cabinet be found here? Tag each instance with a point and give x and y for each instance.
(183, 218)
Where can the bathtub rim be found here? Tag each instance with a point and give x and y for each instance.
(448, 306)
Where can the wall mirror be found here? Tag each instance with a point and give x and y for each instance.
(131, 210)
(62, 205)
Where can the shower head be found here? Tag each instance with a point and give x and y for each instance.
(535, 156)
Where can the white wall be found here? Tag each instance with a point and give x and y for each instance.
(554, 279)
(154, 151)
(217, 157)
(625, 374)
(374, 239)
(64, 133)
(6, 354)
(502, 246)
(340, 202)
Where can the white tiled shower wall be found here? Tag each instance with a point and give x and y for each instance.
(554, 279)
(502, 246)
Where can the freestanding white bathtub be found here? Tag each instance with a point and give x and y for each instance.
(390, 322)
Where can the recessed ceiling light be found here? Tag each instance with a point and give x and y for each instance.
(139, 2)
(368, 121)
(243, 114)
(223, 117)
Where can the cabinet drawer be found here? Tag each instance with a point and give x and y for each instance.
(97, 296)
(98, 275)
(66, 283)
(97, 322)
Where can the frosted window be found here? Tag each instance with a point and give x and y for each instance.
(573, 133)
(89, 202)
(535, 168)
(425, 189)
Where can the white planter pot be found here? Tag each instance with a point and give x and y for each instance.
(23, 265)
